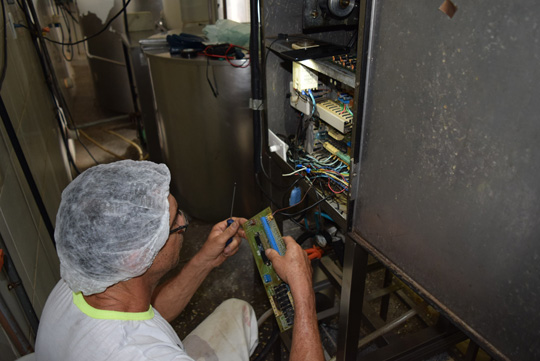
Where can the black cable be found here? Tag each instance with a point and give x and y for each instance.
(260, 143)
(5, 58)
(353, 39)
(266, 55)
(255, 39)
(266, 349)
(288, 215)
(49, 74)
(69, 12)
(68, 26)
(305, 236)
(69, 47)
(74, 20)
(85, 148)
(75, 26)
(257, 180)
(3, 75)
(126, 26)
(96, 34)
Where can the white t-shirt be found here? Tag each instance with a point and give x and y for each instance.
(71, 329)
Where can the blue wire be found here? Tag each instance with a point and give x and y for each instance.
(313, 100)
(324, 215)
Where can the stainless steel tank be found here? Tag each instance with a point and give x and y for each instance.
(207, 141)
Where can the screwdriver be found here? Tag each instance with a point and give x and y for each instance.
(230, 220)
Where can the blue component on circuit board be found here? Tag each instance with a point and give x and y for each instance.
(267, 278)
(270, 235)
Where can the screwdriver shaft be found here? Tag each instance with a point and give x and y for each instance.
(232, 203)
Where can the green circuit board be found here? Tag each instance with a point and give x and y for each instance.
(262, 232)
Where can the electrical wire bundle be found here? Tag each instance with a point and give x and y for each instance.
(228, 52)
(67, 15)
(326, 168)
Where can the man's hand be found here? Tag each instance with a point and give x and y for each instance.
(213, 251)
(171, 297)
(294, 267)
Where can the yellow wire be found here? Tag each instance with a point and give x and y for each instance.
(141, 156)
(100, 146)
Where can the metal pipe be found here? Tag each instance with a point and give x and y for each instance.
(90, 56)
(13, 330)
(386, 328)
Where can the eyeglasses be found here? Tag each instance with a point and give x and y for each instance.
(180, 228)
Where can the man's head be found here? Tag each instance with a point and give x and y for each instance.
(112, 221)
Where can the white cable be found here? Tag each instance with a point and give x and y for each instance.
(264, 317)
(293, 173)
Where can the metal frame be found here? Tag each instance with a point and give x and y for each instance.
(421, 344)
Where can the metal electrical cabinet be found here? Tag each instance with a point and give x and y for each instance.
(445, 174)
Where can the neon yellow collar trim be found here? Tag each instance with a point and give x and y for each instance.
(80, 302)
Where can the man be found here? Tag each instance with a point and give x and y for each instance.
(118, 232)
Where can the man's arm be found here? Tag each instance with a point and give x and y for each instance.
(295, 269)
(171, 297)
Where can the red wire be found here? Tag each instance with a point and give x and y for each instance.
(342, 177)
(246, 63)
(333, 191)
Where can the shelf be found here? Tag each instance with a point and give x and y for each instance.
(322, 65)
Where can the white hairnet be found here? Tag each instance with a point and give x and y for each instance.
(112, 221)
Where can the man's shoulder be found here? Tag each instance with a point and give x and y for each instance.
(65, 331)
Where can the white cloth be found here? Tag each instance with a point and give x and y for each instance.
(70, 329)
(228, 334)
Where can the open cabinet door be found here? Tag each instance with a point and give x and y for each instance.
(448, 185)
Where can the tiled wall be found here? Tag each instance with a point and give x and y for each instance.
(32, 113)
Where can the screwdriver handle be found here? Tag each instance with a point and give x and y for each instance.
(229, 222)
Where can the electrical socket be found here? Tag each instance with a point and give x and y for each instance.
(277, 146)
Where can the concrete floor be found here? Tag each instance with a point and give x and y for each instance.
(235, 278)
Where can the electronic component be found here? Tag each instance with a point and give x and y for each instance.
(304, 78)
(344, 157)
(346, 61)
(336, 115)
(327, 14)
(261, 232)
(260, 248)
(270, 235)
